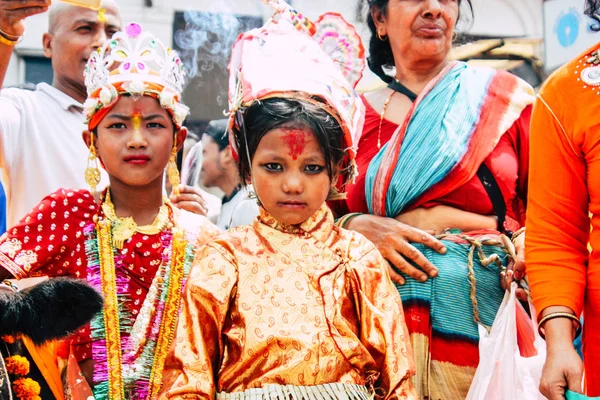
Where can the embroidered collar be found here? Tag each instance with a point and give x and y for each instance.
(319, 225)
(64, 100)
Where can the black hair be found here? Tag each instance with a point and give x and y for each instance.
(380, 51)
(217, 130)
(263, 116)
(592, 10)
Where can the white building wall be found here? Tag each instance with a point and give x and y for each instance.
(492, 17)
(502, 18)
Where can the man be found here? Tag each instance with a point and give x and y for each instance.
(40, 131)
(220, 169)
(41, 149)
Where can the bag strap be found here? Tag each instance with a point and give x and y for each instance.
(400, 88)
(495, 194)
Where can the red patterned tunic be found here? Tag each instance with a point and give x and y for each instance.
(50, 241)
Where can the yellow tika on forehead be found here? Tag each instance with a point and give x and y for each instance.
(136, 120)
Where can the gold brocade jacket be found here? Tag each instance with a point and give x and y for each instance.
(293, 305)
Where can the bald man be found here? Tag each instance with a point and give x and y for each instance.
(41, 149)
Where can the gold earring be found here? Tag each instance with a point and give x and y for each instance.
(383, 38)
(335, 194)
(173, 172)
(92, 172)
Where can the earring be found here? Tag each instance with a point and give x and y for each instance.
(335, 194)
(383, 38)
(454, 36)
(92, 173)
(173, 172)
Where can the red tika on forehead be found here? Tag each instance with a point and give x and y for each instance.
(296, 140)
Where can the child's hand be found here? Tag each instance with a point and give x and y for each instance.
(189, 198)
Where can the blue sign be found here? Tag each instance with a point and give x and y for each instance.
(567, 27)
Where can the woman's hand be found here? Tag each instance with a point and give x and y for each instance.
(516, 268)
(393, 238)
(563, 368)
(189, 198)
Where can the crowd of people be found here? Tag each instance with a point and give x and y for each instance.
(350, 256)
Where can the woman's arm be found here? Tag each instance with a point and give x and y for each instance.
(436, 219)
(558, 229)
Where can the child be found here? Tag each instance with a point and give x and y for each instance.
(291, 307)
(129, 241)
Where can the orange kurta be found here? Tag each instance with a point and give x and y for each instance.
(274, 304)
(564, 189)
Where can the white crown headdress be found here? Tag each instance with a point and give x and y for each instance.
(137, 63)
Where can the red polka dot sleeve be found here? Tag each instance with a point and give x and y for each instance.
(49, 240)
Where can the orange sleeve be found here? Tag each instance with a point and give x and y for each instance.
(558, 224)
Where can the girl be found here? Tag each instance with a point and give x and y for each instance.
(128, 241)
(291, 306)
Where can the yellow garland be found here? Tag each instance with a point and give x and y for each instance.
(170, 313)
(111, 311)
(17, 365)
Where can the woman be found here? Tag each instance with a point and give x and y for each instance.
(457, 127)
(564, 191)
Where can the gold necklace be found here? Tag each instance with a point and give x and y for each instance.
(125, 228)
(385, 105)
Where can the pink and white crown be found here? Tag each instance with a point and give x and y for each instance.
(291, 56)
(135, 62)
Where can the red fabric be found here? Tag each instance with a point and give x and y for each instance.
(53, 231)
(508, 162)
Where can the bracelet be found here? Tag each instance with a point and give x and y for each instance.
(554, 315)
(342, 222)
(9, 40)
(10, 285)
(517, 233)
(8, 36)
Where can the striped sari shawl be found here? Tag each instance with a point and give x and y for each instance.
(453, 126)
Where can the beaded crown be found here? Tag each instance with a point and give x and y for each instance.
(135, 62)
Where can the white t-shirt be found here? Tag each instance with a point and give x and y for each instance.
(240, 210)
(41, 149)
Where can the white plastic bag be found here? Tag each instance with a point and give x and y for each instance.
(503, 373)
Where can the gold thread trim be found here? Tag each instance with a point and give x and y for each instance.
(12, 267)
(170, 312)
(111, 311)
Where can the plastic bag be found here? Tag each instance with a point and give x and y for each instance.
(505, 372)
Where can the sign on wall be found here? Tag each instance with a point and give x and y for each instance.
(567, 31)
